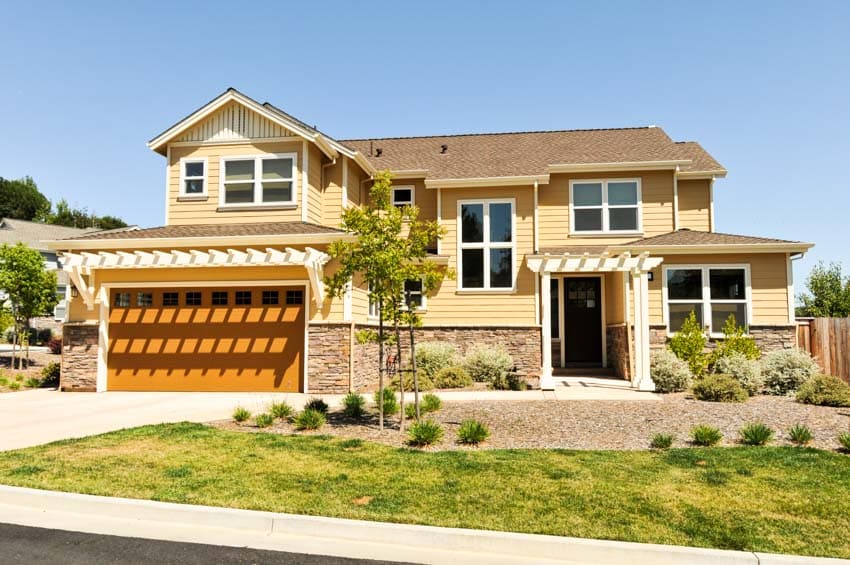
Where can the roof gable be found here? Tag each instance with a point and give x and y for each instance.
(234, 122)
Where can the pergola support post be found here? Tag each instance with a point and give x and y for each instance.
(546, 380)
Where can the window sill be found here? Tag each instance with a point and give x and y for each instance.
(486, 291)
(193, 197)
(607, 234)
(254, 207)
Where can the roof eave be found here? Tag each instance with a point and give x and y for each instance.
(519, 180)
(696, 175)
(708, 249)
(181, 242)
(617, 166)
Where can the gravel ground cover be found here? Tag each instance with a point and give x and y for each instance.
(597, 424)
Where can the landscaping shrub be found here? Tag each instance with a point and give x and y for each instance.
(310, 419)
(741, 368)
(705, 436)
(241, 414)
(689, 345)
(3, 380)
(50, 374)
(32, 382)
(472, 432)
(390, 402)
(509, 381)
(425, 382)
(668, 372)
(755, 433)
(452, 377)
(424, 432)
(19, 377)
(785, 370)
(317, 404)
(55, 345)
(800, 434)
(824, 390)
(719, 388)
(263, 420)
(844, 440)
(661, 441)
(488, 365)
(43, 336)
(14, 386)
(430, 403)
(280, 410)
(433, 356)
(735, 342)
(354, 405)
(410, 410)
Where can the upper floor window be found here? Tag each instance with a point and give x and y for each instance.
(712, 293)
(193, 174)
(403, 196)
(486, 244)
(257, 180)
(605, 206)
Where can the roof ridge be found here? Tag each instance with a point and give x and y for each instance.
(629, 128)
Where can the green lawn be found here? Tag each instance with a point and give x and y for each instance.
(772, 499)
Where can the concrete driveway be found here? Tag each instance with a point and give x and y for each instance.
(39, 416)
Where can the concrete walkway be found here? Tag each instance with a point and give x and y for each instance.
(34, 417)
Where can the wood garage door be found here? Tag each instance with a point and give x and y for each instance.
(207, 339)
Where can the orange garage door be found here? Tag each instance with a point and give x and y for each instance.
(208, 339)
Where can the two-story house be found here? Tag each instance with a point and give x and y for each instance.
(572, 248)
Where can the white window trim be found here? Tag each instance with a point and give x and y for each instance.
(258, 180)
(706, 300)
(183, 178)
(423, 301)
(372, 307)
(605, 207)
(486, 245)
(412, 190)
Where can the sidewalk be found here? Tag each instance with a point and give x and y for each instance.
(345, 538)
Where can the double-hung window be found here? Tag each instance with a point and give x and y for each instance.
(413, 294)
(258, 180)
(403, 196)
(486, 244)
(605, 206)
(193, 177)
(712, 292)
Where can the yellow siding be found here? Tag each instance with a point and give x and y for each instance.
(768, 279)
(470, 308)
(332, 195)
(694, 204)
(314, 181)
(554, 209)
(355, 183)
(614, 302)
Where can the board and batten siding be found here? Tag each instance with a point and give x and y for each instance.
(768, 279)
(695, 204)
(554, 208)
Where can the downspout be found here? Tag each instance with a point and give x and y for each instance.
(536, 236)
(439, 215)
(792, 300)
(711, 205)
(676, 199)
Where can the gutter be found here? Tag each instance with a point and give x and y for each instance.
(187, 242)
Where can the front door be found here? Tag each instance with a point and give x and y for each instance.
(583, 320)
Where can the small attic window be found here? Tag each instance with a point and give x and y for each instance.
(193, 177)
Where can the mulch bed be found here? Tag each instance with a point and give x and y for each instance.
(38, 360)
(596, 424)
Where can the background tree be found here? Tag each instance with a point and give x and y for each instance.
(30, 289)
(65, 215)
(828, 293)
(21, 200)
(391, 247)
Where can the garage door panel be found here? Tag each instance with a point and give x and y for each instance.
(215, 347)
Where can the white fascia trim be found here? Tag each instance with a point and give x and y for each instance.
(409, 174)
(305, 164)
(676, 199)
(694, 175)
(617, 166)
(523, 180)
(364, 163)
(710, 249)
(222, 241)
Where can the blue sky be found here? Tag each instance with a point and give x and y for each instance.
(762, 85)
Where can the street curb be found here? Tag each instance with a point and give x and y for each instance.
(505, 544)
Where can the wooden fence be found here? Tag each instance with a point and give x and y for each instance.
(828, 340)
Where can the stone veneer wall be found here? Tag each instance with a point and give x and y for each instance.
(768, 338)
(617, 342)
(328, 352)
(79, 358)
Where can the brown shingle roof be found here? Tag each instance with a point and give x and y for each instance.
(693, 237)
(217, 230)
(528, 153)
(574, 250)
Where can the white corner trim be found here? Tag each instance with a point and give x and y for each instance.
(536, 220)
(792, 312)
(167, 183)
(305, 165)
(439, 216)
(344, 182)
(676, 198)
(711, 205)
(103, 341)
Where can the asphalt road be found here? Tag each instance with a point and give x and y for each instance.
(20, 544)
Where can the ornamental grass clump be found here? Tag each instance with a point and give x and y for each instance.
(241, 414)
(719, 388)
(705, 436)
(472, 432)
(785, 370)
(354, 405)
(668, 372)
(280, 410)
(263, 420)
(824, 390)
(844, 440)
(661, 441)
(317, 404)
(424, 433)
(755, 433)
(430, 403)
(390, 402)
(309, 419)
(800, 435)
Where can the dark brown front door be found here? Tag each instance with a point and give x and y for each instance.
(583, 320)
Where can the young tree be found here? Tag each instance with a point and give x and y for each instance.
(30, 288)
(828, 293)
(391, 247)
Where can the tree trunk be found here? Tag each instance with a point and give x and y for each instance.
(400, 372)
(381, 364)
(413, 368)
